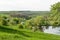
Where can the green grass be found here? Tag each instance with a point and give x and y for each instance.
(24, 34)
(14, 33)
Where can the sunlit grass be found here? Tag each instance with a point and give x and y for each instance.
(24, 34)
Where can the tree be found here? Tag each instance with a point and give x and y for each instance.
(5, 20)
(55, 14)
(55, 8)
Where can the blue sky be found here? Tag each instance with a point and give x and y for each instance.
(33, 5)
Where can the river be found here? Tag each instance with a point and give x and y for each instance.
(52, 30)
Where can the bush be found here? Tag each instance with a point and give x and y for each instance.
(21, 26)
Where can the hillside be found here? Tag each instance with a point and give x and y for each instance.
(11, 29)
(24, 34)
(26, 12)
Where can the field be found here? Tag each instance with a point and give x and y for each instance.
(24, 34)
(13, 32)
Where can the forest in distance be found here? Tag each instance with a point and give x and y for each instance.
(28, 25)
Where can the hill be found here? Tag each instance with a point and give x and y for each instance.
(24, 34)
(26, 12)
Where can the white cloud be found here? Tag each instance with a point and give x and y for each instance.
(26, 4)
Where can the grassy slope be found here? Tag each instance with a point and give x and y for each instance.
(24, 34)
(11, 33)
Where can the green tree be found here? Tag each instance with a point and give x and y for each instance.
(55, 14)
(5, 20)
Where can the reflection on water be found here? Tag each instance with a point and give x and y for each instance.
(52, 30)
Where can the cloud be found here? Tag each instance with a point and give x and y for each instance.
(26, 4)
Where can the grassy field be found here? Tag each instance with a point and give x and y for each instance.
(24, 34)
(13, 32)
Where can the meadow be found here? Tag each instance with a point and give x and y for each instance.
(28, 25)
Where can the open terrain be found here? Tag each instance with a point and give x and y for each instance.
(24, 34)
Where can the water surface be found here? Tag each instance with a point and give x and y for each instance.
(52, 30)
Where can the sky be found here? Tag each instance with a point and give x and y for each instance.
(31, 5)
